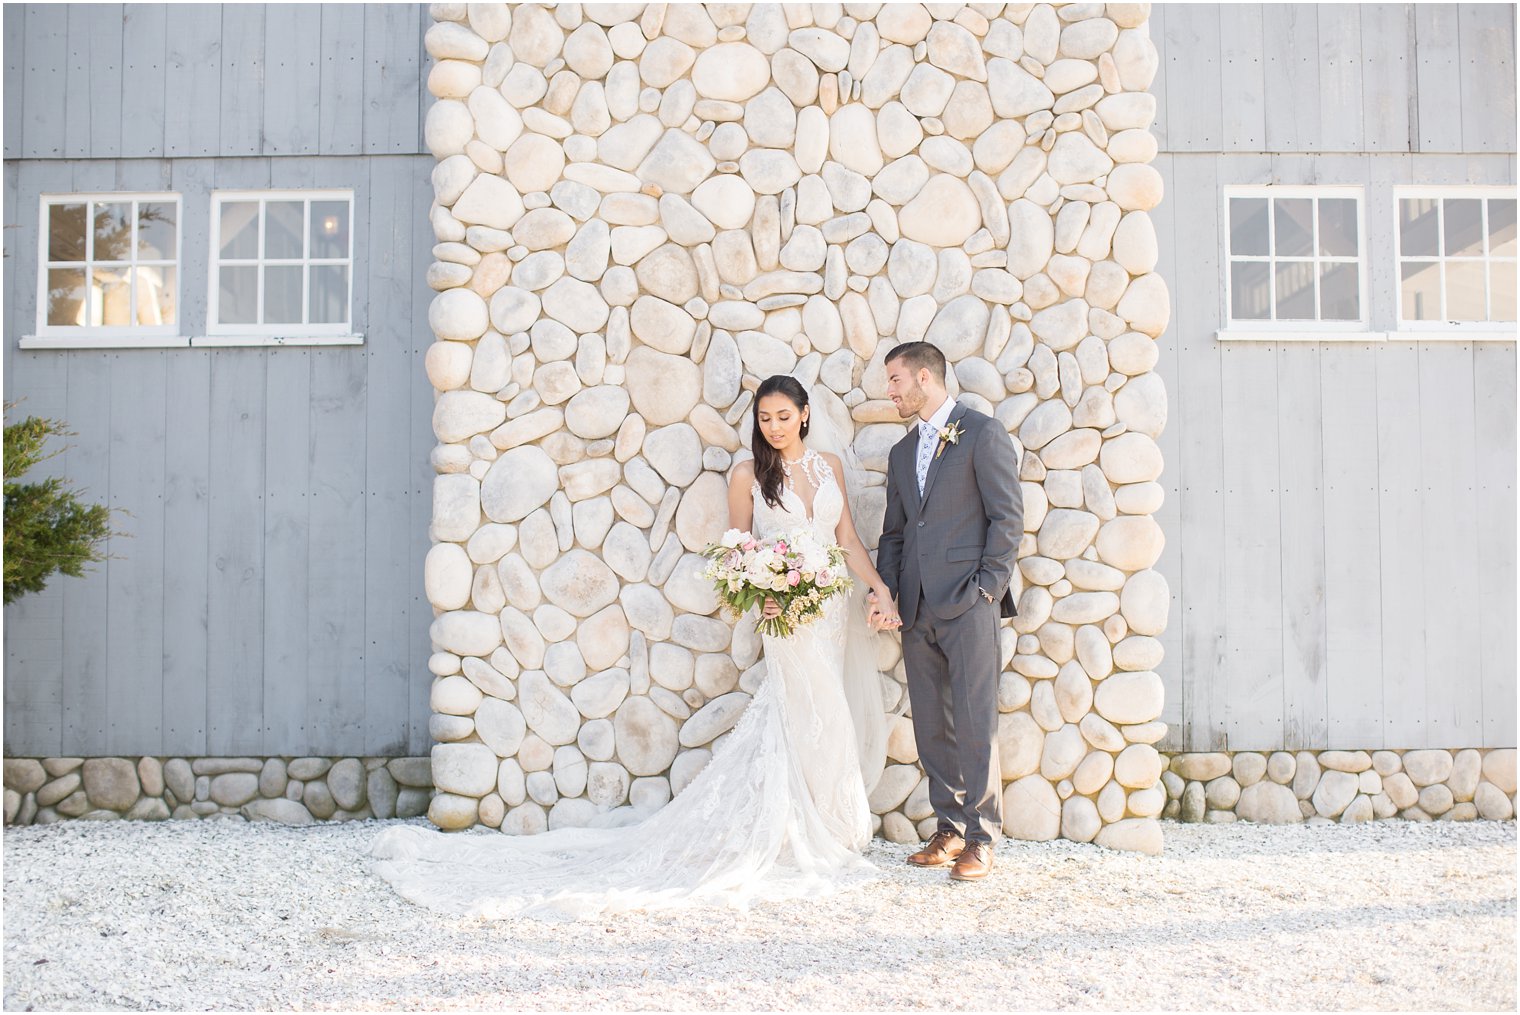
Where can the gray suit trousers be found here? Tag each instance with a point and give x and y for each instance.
(953, 686)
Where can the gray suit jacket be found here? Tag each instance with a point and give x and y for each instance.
(964, 532)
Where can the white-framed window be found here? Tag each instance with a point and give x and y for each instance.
(281, 266)
(108, 269)
(1294, 260)
(1455, 250)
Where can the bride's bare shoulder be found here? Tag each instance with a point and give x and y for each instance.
(743, 473)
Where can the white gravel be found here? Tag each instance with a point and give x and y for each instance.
(229, 915)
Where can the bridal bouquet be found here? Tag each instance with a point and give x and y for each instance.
(796, 569)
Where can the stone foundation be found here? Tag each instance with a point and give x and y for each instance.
(1345, 786)
(294, 791)
(1274, 788)
(1100, 802)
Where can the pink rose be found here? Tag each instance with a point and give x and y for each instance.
(793, 577)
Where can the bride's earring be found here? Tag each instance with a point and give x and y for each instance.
(804, 428)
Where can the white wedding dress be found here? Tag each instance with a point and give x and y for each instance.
(779, 811)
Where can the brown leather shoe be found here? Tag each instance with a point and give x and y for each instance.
(974, 862)
(942, 849)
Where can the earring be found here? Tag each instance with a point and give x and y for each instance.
(804, 428)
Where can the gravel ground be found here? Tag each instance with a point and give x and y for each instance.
(229, 915)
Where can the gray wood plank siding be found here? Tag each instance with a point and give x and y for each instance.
(1339, 515)
(140, 80)
(1335, 77)
(1342, 553)
(265, 596)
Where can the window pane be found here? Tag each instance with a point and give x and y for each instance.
(155, 294)
(1420, 290)
(155, 231)
(111, 290)
(113, 232)
(1338, 300)
(1502, 295)
(1295, 290)
(66, 232)
(1248, 225)
(329, 294)
(240, 230)
(1501, 227)
(282, 294)
(1464, 290)
(283, 224)
(65, 296)
(1417, 227)
(1250, 297)
(329, 229)
(1294, 224)
(238, 301)
(1464, 228)
(1337, 227)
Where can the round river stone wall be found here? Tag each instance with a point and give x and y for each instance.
(642, 210)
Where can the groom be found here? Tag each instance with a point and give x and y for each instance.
(954, 518)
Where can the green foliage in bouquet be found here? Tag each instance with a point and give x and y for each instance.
(818, 569)
(46, 528)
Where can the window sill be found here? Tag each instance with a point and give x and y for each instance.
(235, 340)
(1312, 335)
(1491, 334)
(180, 341)
(1298, 335)
(103, 342)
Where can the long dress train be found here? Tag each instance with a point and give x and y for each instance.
(780, 811)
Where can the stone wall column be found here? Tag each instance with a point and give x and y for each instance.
(644, 210)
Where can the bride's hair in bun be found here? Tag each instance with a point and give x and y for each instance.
(768, 468)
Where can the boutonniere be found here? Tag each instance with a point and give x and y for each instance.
(948, 435)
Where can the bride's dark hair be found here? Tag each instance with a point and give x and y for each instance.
(768, 468)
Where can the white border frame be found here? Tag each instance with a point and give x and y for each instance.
(130, 336)
(218, 334)
(1449, 331)
(1303, 331)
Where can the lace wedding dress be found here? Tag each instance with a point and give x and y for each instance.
(779, 811)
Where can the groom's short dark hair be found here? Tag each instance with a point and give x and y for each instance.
(920, 356)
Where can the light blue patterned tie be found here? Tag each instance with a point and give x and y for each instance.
(928, 434)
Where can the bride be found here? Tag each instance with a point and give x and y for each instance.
(780, 811)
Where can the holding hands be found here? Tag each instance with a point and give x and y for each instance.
(883, 615)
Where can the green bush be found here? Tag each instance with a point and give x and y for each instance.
(46, 528)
